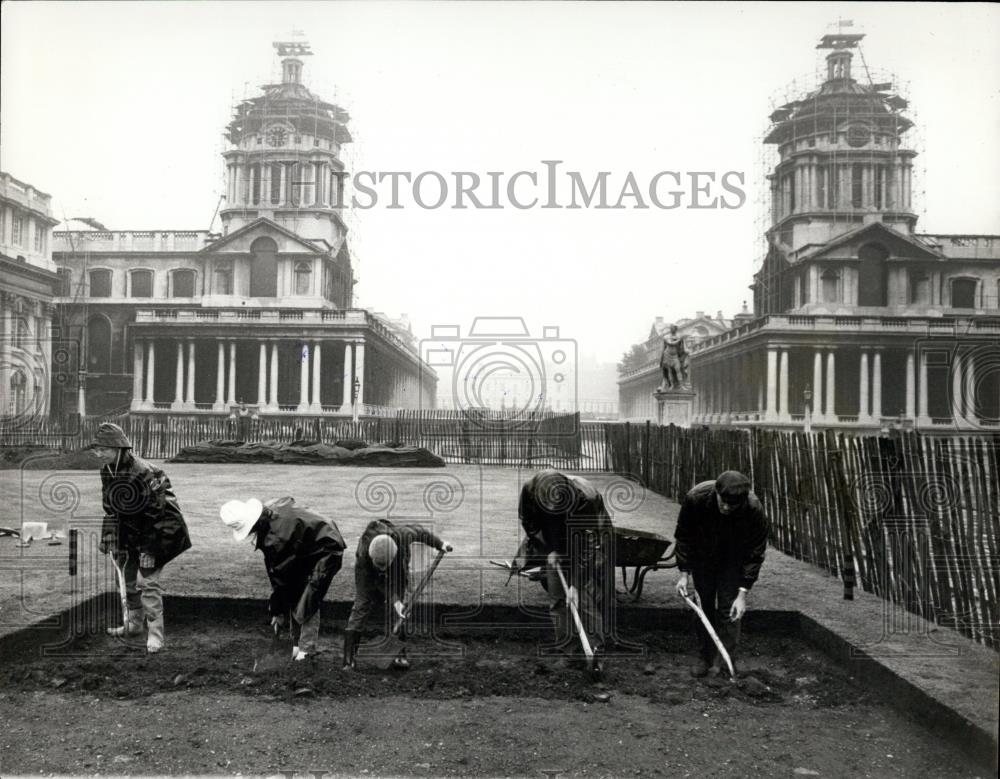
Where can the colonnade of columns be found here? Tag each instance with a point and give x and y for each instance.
(310, 356)
(755, 386)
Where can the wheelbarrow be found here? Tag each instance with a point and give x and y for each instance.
(643, 552)
(637, 549)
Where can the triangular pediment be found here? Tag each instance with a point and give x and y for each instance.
(846, 246)
(240, 241)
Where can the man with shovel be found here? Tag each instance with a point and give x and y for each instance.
(302, 553)
(567, 523)
(720, 539)
(143, 530)
(381, 574)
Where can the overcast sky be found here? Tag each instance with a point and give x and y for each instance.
(117, 110)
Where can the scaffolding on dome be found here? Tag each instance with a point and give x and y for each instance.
(834, 106)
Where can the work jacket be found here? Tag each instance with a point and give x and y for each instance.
(141, 513)
(577, 505)
(301, 548)
(706, 540)
(395, 580)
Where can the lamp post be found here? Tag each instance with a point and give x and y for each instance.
(354, 396)
(807, 416)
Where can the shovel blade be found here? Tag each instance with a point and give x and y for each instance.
(383, 652)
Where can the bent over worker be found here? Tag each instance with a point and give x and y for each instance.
(302, 553)
(381, 574)
(720, 540)
(143, 530)
(566, 521)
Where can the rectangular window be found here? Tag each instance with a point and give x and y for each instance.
(39, 237)
(857, 186)
(142, 284)
(879, 195)
(100, 284)
(920, 287)
(17, 229)
(832, 189)
(804, 288)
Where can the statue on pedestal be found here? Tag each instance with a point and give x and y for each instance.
(673, 362)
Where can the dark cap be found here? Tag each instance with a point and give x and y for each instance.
(110, 435)
(733, 487)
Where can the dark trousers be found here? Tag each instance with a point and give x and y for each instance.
(717, 589)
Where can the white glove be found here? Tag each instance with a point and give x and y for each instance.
(446, 547)
(400, 609)
(571, 596)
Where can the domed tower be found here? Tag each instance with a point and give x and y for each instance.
(841, 157)
(283, 162)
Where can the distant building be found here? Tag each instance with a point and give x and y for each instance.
(196, 322)
(28, 283)
(862, 323)
(640, 372)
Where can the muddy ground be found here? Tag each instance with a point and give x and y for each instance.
(101, 706)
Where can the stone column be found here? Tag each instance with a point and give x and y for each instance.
(316, 406)
(922, 415)
(783, 414)
(220, 380)
(262, 377)
(817, 386)
(189, 400)
(231, 394)
(137, 397)
(911, 386)
(150, 372)
(772, 380)
(178, 403)
(359, 371)
(303, 378)
(345, 407)
(877, 386)
(956, 388)
(831, 385)
(863, 415)
(971, 416)
(273, 402)
(238, 183)
(6, 349)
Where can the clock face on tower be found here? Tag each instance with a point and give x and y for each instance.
(858, 135)
(276, 136)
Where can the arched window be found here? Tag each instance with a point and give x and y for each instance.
(182, 284)
(18, 396)
(141, 284)
(303, 278)
(963, 293)
(264, 268)
(831, 286)
(99, 345)
(223, 278)
(99, 283)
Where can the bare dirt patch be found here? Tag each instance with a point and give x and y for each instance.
(102, 706)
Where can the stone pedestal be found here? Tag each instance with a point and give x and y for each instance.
(674, 407)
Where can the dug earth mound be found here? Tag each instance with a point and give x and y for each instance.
(484, 705)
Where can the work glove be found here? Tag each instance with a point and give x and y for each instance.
(107, 544)
(446, 547)
(278, 624)
(400, 609)
(146, 560)
(571, 597)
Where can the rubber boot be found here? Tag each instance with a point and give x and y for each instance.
(351, 639)
(131, 627)
(400, 663)
(154, 633)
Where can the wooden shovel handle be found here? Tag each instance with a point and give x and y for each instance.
(587, 650)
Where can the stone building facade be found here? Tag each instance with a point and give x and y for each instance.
(28, 283)
(261, 314)
(861, 321)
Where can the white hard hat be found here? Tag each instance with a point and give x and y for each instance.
(241, 516)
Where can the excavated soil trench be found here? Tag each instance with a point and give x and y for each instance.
(482, 702)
